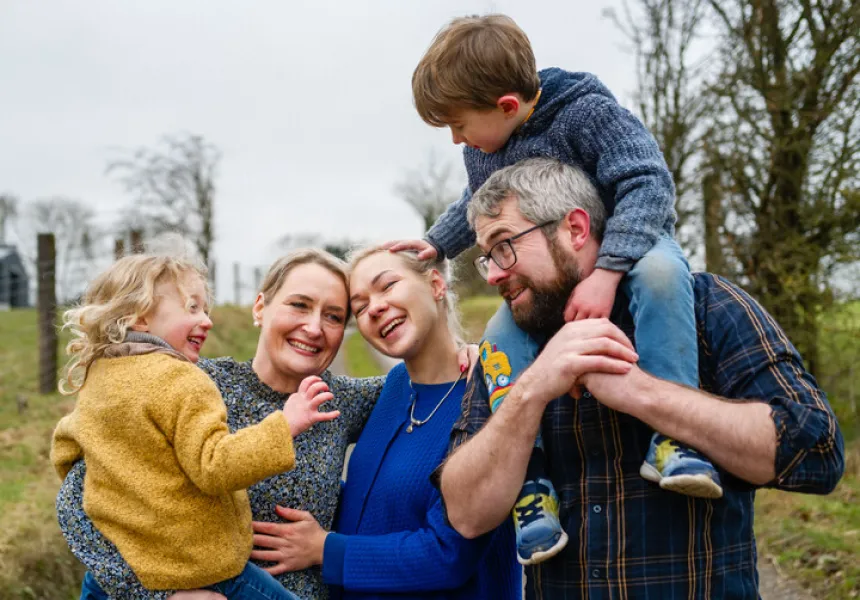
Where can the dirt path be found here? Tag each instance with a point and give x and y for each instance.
(773, 585)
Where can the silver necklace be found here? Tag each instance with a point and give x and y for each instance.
(413, 422)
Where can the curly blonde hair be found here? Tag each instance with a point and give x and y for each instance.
(113, 302)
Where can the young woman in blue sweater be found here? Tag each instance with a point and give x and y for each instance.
(391, 538)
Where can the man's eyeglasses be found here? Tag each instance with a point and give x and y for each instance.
(503, 253)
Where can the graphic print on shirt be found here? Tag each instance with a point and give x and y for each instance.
(497, 373)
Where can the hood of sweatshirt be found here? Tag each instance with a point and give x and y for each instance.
(559, 89)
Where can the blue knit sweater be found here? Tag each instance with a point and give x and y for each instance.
(578, 121)
(392, 537)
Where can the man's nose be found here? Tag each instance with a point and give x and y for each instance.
(495, 275)
(457, 138)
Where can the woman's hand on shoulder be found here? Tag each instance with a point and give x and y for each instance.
(294, 545)
(302, 408)
(467, 358)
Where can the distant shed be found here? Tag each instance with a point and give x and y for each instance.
(14, 282)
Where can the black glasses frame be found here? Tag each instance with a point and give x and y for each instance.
(482, 263)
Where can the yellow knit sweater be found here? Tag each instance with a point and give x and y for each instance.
(165, 479)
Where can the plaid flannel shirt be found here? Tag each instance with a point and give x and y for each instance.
(630, 539)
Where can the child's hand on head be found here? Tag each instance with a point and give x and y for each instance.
(302, 407)
(594, 296)
(425, 249)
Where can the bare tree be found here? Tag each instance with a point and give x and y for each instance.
(338, 247)
(71, 222)
(664, 36)
(774, 143)
(292, 241)
(429, 189)
(786, 142)
(174, 189)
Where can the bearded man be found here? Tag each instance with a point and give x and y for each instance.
(759, 415)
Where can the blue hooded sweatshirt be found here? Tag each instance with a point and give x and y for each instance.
(578, 121)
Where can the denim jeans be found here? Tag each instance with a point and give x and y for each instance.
(253, 583)
(660, 291)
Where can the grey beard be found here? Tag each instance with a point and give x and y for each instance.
(546, 314)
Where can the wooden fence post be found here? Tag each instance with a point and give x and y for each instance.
(237, 285)
(258, 279)
(118, 248)
(136, 241)
(46, 262)
(213, 280)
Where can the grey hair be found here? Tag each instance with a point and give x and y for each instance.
(421, 267)
(545, 189)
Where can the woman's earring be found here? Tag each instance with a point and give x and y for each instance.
(256, 323)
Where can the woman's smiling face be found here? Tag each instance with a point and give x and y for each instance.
(302, 325)
(396, 309)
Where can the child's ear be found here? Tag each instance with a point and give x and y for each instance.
(141, 325)
(509, 104)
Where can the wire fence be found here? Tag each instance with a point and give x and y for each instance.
(62, 281)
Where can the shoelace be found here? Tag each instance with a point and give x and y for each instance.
(529, 513)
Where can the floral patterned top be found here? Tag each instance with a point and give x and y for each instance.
(313, 485)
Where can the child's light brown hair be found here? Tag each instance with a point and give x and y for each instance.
(113, 302)
(472, 62)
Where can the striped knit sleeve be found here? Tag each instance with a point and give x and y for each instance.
(627, 162)
(451, 231)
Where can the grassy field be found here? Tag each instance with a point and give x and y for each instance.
(814, 539)
(359, 360)
(34, 559)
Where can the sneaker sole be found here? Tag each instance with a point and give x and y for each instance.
(697, 486)
(541, 556)
(646, 471)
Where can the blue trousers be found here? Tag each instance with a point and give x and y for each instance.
(660, 290)
(253, 583)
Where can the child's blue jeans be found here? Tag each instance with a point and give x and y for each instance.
(660, 290)
(253, 583)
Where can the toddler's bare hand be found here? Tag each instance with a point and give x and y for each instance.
(593, 297)
(425, 249)
(302, 407)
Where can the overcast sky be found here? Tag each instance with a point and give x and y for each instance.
(310, 102)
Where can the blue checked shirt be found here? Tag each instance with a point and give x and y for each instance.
(630, 539)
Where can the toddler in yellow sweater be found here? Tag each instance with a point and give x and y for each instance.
(165, 478)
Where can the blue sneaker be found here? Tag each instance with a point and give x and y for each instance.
(539, 532)
(678, 468)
